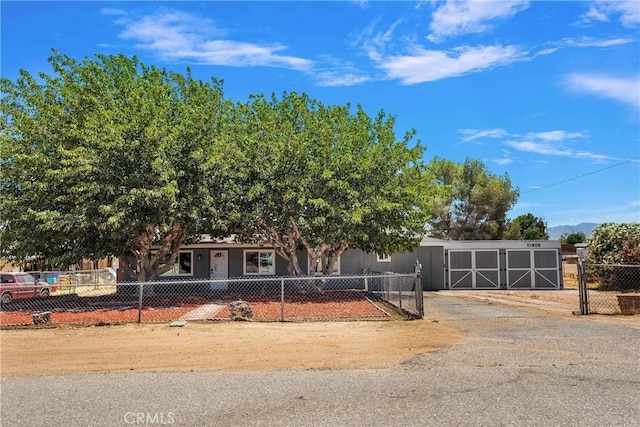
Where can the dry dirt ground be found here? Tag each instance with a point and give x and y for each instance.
(256, 346)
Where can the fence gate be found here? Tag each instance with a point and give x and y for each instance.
(532, 269)
(474, 269)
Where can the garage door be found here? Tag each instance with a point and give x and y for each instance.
(474, 269)
(532, 269)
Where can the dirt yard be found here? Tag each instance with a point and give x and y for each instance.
(219, 346)
(256, 346)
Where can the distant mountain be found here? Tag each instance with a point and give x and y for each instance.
(585, 227)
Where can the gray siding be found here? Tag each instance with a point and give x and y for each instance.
(433, 267)
(356, 261)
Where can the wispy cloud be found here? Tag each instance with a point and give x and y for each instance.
(456, 18)
(430, 65)
(625, 90)
(505, 159)
(179, 36)
(555, 135)
(623, 212)
(627, 11)
(471, 134)
(595, 42)
(338, 73)
(417, 63)
(558, 143)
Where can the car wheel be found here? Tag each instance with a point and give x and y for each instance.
(44, 293)
(6, 298)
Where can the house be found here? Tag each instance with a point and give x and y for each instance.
(487, 264)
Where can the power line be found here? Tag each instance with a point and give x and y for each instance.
(581, 176)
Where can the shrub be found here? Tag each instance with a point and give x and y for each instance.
(612, 247)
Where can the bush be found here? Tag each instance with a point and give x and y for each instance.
(611, 247)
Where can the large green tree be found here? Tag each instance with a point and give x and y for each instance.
(473, 203)
(108, 157)
(527, 227)
(573, 238)
(326, 178)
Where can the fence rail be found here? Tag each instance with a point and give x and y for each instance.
(89, 301)
(609, 288)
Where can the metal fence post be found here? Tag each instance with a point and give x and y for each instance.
(140, 293)
(282, 299)
(582, 288)
(417, 287)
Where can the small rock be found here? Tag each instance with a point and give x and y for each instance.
(241, 310)
(42, 318)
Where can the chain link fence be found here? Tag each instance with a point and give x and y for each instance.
(96, 298)
(609, 288)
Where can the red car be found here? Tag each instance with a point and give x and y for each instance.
(18, 285)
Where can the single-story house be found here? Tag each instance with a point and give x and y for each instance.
(487, 264)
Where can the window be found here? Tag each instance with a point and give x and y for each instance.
(259, 261)
(183, 265)
(316, 267)
(384, 258)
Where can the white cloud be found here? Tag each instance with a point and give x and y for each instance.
(550, 143)
(180, 36)
(503, 161)
(340, 76)
(553, 148)
(554, 143)
(375, 45)
(595, 42)
(431, 65)
(625, 90)
(471, 134)
(539, 147)
(555, 135)
(602, 11)
(457, 17)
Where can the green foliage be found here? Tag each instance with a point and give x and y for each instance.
(325, 178)
(109, 156)
(611, 247)
(527, 227)
(573, 238)
(473, 202)
(608, 241)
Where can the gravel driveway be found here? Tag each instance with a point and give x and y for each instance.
(516, 369)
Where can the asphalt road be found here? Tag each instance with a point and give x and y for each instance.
(517, 369)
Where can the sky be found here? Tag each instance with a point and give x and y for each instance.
(546, 92)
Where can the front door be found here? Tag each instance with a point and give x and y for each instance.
(219, 269)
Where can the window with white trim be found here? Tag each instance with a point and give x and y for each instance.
(183, 265)
(316, 267)
(260, 261)
(384, 258)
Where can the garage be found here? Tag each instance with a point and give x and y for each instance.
(503, 264)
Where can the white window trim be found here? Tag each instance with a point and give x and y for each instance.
(336, 265)
(258, 250)
(383, 258)
(171, 273)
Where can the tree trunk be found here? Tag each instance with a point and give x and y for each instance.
(150, 264)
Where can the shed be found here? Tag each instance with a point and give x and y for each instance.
(502, 264)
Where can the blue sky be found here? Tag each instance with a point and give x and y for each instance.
(548, 92)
